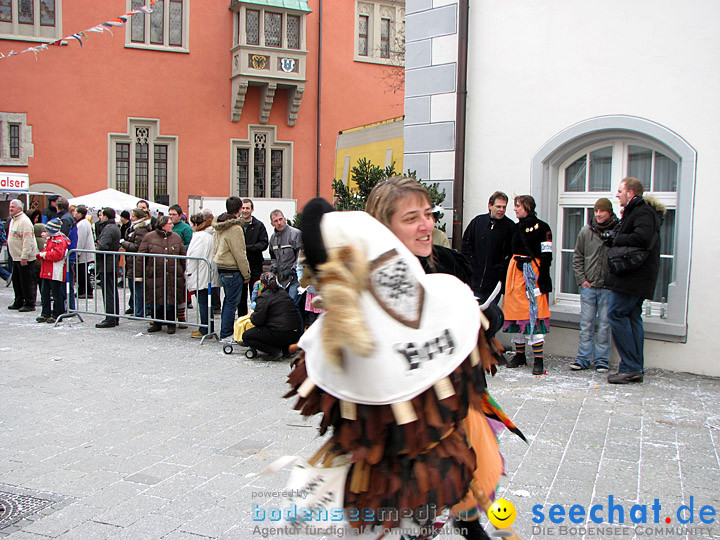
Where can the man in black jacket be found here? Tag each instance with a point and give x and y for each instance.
(107, 265)
(256, 241)
(486, 244)
(639, 227)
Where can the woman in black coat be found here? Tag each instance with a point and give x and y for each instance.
(276, 320)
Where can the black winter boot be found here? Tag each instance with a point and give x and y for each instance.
(538, 368)
(517, 360)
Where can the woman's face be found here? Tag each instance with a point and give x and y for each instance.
(413, 223)
(520, 211)
(168, 227)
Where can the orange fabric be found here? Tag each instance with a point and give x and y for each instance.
(489, 467)
(515, 303)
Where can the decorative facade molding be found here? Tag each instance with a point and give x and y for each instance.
(294, 98)
(266, 101)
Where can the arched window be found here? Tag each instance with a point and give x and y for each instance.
(588, 161)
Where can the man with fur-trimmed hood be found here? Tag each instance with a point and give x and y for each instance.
(639, 227)
(230, 257)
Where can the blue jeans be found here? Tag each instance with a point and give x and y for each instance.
(232, 285)
(625, 316)
(594, 304)
(137, 298)
(202, 297)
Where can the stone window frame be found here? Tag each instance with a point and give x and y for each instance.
(546, 173)
(376, 11)
(15, 31)
(154, 137)
(272, 144)
(184, 47)
(27, 148)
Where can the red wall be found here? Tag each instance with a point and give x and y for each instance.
(74, 96)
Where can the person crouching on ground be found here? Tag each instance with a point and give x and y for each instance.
(276, 320)
(52, 272)
(164, 278)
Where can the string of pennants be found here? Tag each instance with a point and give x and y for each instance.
(106, 26)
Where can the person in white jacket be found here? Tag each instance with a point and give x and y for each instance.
(85, 241)
(198, 273)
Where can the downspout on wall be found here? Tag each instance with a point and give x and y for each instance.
(319, 102)
(459, 181)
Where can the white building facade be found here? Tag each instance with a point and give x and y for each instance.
(564, 99)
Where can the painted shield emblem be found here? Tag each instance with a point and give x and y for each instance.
(396, 289)
(258, 61)
(287, 64)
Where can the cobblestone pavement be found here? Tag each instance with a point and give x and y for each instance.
(132, 435)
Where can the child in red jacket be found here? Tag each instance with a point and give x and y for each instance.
(52, 272)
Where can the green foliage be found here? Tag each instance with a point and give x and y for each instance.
(366, 175)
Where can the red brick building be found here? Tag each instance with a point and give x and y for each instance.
(192, 97)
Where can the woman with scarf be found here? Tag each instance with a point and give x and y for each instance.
(527, 285)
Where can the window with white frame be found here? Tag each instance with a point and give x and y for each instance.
(143, 163)
(166, 28)
(588, 160)
(31, 20)
(269, 27)
(379, 31)
(16, 145)
(597, 172)
(262, 166)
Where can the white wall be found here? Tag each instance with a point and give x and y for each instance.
(538, 67)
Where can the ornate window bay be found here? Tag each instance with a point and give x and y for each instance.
(269, 51)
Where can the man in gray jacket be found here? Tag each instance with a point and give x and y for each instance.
(591, 269)
(285, 244)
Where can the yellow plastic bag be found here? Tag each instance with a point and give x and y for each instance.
(243, 323)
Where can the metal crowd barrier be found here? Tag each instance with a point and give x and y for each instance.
(131, 268)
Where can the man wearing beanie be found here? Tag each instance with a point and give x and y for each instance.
(591, 269)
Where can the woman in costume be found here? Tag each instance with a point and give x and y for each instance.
(527, 285)
(401, 387)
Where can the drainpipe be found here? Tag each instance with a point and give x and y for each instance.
(460, 121)
(319, 100)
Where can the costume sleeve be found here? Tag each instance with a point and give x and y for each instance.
(544, 280)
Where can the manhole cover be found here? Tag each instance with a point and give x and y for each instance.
(17, 504)
(14, 507)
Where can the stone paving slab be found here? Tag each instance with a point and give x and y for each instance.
(152, 436)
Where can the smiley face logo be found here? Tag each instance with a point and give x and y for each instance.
(502, 513)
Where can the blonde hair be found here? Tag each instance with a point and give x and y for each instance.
(383, 199)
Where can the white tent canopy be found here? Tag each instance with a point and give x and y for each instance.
(114, 199)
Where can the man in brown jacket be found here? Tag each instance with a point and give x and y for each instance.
(231, 260)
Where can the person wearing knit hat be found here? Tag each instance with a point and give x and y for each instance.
(590, 265)
(53, 226)
(604, 204)
(52, 272)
